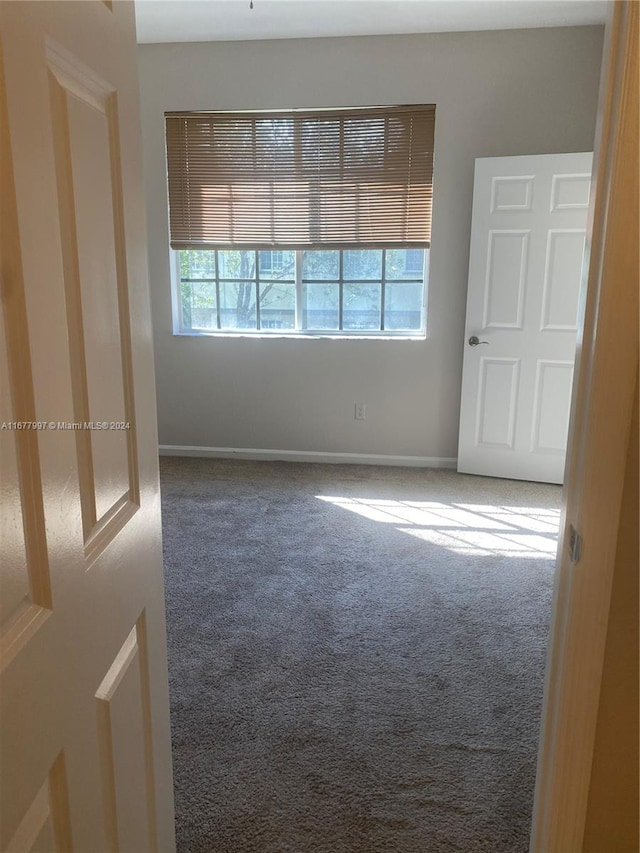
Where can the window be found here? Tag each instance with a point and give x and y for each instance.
(352, 292)
(301, 221)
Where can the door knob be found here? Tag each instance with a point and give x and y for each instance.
(474, 341)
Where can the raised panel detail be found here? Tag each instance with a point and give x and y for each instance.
(512, 194)
(497, 397)
(14, 578)
(552, 406)
(25, 589)
(124, 733)
(505, 279)
(93, 204)
(45, 827)
(562, 278)
(86, 140)
(570, 192)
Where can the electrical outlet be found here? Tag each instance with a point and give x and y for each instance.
(360, 411)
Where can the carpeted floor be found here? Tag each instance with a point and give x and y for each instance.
(356, 656)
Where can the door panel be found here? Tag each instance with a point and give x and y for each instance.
(124, 728)
(46, 824)
(14, 582)
(505, 282)
(552, 403)
(570, 192)
(525, 271)
(562, 276)
(499, 381)
(511, 192)
(83, 682)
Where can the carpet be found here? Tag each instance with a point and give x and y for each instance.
(356, 656)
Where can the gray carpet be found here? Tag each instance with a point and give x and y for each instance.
(356, 656)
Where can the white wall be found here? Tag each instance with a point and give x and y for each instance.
(497, 93)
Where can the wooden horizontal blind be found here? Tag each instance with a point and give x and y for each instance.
(300, 179)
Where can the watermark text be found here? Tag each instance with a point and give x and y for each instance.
(64, 425)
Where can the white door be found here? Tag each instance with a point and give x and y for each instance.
(85, 749)
(525, 268)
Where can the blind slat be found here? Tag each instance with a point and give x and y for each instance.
(300, 179)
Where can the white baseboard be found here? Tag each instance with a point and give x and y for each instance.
(308, 456)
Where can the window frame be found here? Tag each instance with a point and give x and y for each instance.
(179, 328)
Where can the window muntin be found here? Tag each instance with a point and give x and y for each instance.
(355, 292)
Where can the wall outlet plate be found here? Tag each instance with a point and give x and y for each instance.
(360, 411)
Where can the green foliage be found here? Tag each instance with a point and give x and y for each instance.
(197, 263)
(321, 265)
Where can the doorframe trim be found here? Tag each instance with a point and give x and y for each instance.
(602, 406)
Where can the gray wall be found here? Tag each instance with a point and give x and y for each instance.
(497, 93)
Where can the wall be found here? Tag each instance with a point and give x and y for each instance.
(612, 811)
(497, 93)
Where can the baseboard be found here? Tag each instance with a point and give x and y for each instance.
(308, 456)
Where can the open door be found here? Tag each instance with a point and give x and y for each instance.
(83, 676)
(525, 269)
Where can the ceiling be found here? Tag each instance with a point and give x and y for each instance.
(232, 20)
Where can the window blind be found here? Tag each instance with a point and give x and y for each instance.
(339, 178)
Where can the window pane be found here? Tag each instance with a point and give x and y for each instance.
(237, 264)
(198, 305)
(403, 306)
(361, 308)
(195, 263)
(320, 306)
(238, 305)
(277, 306)
(362, 263)
(404, 263)
(319, 266)
(277, 265)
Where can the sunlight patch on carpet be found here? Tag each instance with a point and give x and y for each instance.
(471, 529)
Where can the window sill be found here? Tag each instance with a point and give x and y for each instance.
(298, 336)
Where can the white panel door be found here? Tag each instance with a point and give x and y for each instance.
(85, 748)
(525, 270)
